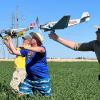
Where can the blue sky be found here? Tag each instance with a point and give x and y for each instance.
(52, 10)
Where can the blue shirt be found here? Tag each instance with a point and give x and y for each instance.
(36, 64)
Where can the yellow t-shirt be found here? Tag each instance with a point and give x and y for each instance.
(20, 61)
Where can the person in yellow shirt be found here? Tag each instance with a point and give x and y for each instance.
(20, 72)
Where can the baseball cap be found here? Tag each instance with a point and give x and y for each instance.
(27, 37)
(38, 36)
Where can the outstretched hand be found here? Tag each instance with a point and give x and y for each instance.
(53, 36)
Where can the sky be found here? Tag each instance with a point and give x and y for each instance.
(53, 10)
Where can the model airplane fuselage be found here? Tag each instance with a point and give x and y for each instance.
(64, 22)
(17, 32)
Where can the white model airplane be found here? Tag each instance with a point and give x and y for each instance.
(64, 22)
(17, 32)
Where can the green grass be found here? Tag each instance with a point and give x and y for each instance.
(69, 81)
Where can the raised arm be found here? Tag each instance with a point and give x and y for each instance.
(13, 49)
(6, 42)
(34, 49)
(66, 43)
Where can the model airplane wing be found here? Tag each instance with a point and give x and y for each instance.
(20, 32)
(62, 23)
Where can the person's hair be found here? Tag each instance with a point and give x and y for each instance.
(39, 43)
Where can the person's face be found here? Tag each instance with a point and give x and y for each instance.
(98, 36)
(26, 42)
(34, 41)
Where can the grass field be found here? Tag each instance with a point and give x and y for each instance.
(69, 81)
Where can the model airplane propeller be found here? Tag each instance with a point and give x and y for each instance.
(64, 22)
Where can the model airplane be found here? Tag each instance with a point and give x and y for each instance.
(17, 32)
(64, 22)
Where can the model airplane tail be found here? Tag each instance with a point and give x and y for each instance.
(85, 17)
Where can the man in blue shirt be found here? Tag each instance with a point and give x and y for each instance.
(37, 79)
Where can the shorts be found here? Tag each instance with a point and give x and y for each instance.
(18, 77)
(41, 86)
